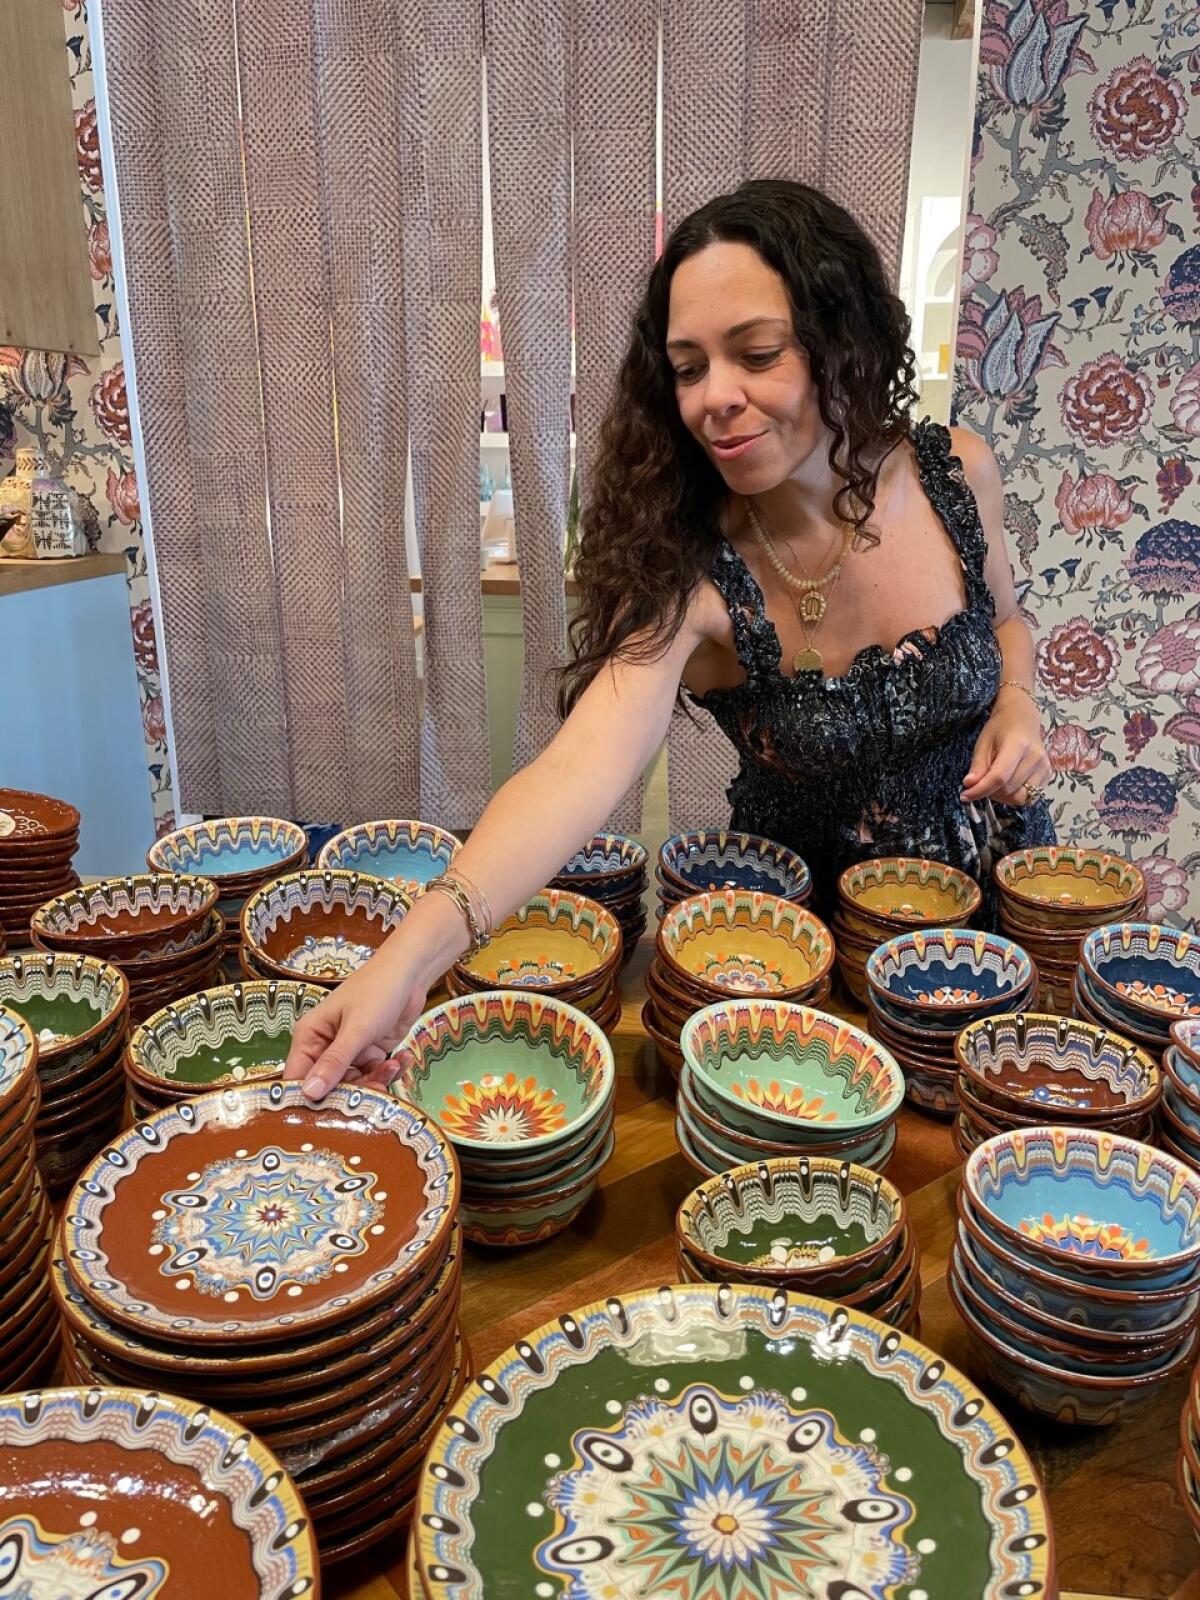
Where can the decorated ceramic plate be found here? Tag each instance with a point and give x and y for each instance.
(252, 1215)
(704, 1442)
(18, 1059)
(114, 1494)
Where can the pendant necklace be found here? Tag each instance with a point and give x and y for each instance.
(813, 593)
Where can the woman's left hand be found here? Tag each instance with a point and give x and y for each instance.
(1010, 758)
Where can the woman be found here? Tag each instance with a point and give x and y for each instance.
(767, 532)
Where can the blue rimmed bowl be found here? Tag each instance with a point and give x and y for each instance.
(1145, 972)
(1043, 1066)
(408, 853)
(1185, 1047)
(939, 977)
(705, 861)
(608, 866)
(1089, 1205)
(242, 852)
(777, 1071)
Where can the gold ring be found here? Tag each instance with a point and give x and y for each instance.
(1033, 793)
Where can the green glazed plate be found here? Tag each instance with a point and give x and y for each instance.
(705, 1442)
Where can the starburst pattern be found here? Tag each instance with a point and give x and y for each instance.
(502, 1110)
(80, 1565)
(749, 974)
(784, 1099)
(1080, 1236)
(1160, 997)
(948, 995)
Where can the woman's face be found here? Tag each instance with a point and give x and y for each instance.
(742, 380)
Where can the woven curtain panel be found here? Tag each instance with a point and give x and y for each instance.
(528, 44)
(173, 94)
(358, 114)
(613, 126)
(822, 92)
(439, 135)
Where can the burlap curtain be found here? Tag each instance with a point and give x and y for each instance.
(300, 195)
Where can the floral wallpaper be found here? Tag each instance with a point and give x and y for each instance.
(76, 411)
(1078, 357)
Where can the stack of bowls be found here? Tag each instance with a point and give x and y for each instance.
(1189, 1454)
(318, 927)
(1018, 1071)
(737, 942)
(923, 987)
(163, 932)
(762, 1080)
(1179, 1111)
(294, 1266)
(241, 854)
(708, 860)
(38, 840)
(558, 943)
(1051, 897)
(889, 895)
(809, 1224)
(240, 1033)
(408, 854)
(523, 1087)
(1076, 1268)
(28, 1324)
(78, 1010)
(1139, 978)
(611, 870)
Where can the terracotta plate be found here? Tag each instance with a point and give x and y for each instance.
(662, 1442)
(252, 1215)
(114, 1493)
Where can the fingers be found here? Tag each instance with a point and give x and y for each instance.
(1014, 763)
(313, 1034)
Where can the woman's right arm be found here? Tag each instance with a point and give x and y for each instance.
(532, 825)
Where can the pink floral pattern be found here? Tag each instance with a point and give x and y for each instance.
(1079, 360)
(77, 412)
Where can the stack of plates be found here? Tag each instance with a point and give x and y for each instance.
(100, 1499)
(1076, 1269)
(1051, 898)
(736, 942)
(710, 1440)
(162, 931)
(611, 870)
(78, 1010)
(808, 1223)
(408, 854)
(1189, 1454)
(38, 840)
(707, 860)
(1179, 1111)
(295, 1266)
(762, 1080)
(880, 898)
(923, 987)
(559, 944)
(237, 1034)
(1021, 1071)
(1139, 978)
(28, 1325)
(318, 927)
(524, 1088)
(240, 853)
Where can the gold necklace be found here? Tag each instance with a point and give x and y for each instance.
(812, 602)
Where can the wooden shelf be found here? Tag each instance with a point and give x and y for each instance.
(500, 578)
(19, 577)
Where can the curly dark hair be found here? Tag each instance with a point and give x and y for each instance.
(650, 524)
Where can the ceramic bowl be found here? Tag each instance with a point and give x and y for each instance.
(941, 974)
(1145, 969)
(903, 891)
(704, 862)
(1089, 1205)
(772, 1067)
(1185, 1036)
(229, 849)
(506, 1071)
(608, 864)
(320, 926)
(152, 914)
(731, 1148)
(222, 1036)
(803, 1221)
(738, 942)
(1055, 885)
(989, 1119)
(76, 1007)
(1055, 1065)
(31, 822)
(18, 1065)
(1091, 1005)
(410, 854)
(556, 940)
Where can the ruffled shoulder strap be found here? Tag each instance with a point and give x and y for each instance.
(949, 493)
(754, 635)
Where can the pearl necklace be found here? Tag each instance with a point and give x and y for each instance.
(810, 607)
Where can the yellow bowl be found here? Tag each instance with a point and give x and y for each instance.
(741, 942)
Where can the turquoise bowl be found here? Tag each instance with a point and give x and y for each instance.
(231, 847)
(410, 854)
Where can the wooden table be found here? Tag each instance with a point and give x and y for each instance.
(1119, 1527)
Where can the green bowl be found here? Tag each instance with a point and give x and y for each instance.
(76, 1007)
(501, 1071)
(224, 1036)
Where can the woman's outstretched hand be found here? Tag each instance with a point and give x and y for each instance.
(354, 1030)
